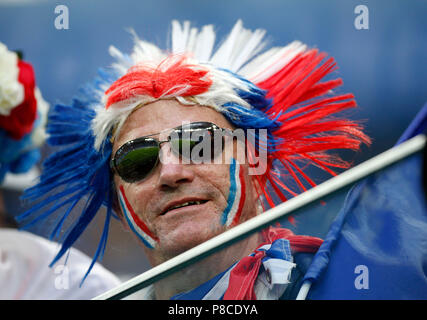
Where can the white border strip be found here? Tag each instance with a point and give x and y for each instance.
(346, 178)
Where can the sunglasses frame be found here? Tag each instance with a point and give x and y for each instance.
(212, 127)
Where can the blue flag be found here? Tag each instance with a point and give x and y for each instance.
(376, 248)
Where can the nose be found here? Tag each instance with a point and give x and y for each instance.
(172, 172)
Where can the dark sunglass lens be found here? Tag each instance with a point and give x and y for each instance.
(183, 146)
(202, 134)
(137, 162)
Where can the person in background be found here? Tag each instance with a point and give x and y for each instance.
(24, 256)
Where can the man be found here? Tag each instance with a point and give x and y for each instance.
(124, 145)
(24, 256)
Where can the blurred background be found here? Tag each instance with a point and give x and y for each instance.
(384, 66)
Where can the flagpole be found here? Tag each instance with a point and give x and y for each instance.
(303, 291)
(259, 222)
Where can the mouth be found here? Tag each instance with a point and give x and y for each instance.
(175, 206)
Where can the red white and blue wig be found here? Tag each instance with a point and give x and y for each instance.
(281, 89)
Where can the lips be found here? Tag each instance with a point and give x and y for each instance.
(182, 204)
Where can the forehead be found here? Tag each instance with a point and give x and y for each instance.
(165, 114)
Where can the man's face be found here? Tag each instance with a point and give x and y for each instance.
(172, 183)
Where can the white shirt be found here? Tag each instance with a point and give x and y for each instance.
(25, 272)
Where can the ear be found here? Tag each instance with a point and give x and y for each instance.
(255, 180)
(254, 188)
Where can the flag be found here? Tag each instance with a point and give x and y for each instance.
(376, 248)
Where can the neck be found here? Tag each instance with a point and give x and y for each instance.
(205, 269)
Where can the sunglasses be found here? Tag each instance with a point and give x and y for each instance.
(136, 159)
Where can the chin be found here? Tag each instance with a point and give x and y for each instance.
(177, 243)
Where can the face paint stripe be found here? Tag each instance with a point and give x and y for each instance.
(135, 218)
(242, 197)
(232, 193)
(139, 227)
(237, 195)
(135, 228)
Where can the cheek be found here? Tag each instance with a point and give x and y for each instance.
(236, 195)
(135, 223)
